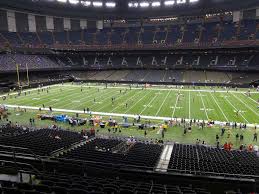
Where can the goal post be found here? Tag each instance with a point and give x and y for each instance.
(19, 83)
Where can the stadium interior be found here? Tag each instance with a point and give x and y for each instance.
(204, 48)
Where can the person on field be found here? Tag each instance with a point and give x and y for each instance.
(237, 136)
(222, 131)
(217, 137)
(255, 137)
(241, 137)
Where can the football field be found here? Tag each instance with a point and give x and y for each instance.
(189, 103)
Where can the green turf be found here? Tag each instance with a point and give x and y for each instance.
(174, 134)
(156, 101)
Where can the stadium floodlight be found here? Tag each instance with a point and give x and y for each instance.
(156, 4)
(74, 2)
(97, 4)
(193, 1)
(144, 4)
(110, 4)
(86, 3)
(169, 3)
(133, 4)
(62, 1)
(181, 1)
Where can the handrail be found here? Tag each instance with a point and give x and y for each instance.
(13, 148)
(21, 163)
(152, 169)
(123, 46)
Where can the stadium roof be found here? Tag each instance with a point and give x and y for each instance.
(118, 9)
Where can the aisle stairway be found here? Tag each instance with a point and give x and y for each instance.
(164, 159)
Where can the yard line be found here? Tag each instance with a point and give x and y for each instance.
(204, 106)
(106, 113)
(163, 103)
(246, 105)
(26, 90)
(189, 105)
(175, 105)
(148, 104)
(219, 107)
(236, 109)
(138, 101)
(109, 104)
(126, 101)
(251, 99)
(166, 89)
(44, 98)
(107, 94)
(68, 99)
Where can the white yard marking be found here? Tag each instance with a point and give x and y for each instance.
(100, 102)
(109, 104)
(21, 99)
(189, 105)
(91, 98)
(224, 96)
(204, 105)
(240, 111)
(28, 90)
(112, 114)
(207, 109)
(126, 101)
(164, 89)
(246, 105)
(236, 109)
(36, 99)
(178, 107)
(163, 103)
(175, 106)
(252, 99)
(55, 100)
(222, 112)
(179, 94)
(138, 101)
(148, 105)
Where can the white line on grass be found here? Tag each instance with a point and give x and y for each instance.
(109, 104)
(61, 96)
(27, 90)
(24, 99)
(74, 95)
(251, 99)
(236, 109)
(246, 105)
(148, 104)
(204, 106)
(127, 100)
(50, 95)
(175, 106)
(161, 89)
(219, 107)
(110, 114)
(138, 101)
(163, 103)
(189, 105)
(101, 95)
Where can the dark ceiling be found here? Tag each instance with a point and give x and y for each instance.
(122, 11)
